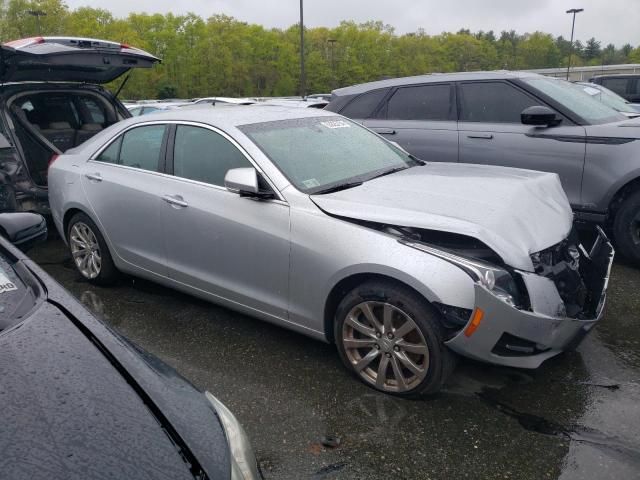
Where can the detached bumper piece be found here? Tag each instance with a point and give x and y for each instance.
(567, 297)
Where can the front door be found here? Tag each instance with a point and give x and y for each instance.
(490, 133)
(218, 242)
(422, 120)
(124, 187)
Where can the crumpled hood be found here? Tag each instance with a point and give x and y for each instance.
(515, 212)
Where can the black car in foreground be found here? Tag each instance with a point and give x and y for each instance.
(78, 401)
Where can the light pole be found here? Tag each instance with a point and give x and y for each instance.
(332, 45)
(303, 79)
(37, 14)
(573, 25)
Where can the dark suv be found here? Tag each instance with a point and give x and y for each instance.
(515, 119)
(51, 101)
(627, 86)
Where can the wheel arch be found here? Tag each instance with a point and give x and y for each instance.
(348, 283)
(621, 192)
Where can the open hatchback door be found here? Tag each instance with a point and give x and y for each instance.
(69, 59)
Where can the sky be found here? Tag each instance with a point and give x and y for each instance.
(610, 21)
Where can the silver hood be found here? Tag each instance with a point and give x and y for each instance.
(515, 212)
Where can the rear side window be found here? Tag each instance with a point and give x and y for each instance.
(95, 110)
(141, 147)
(492, 102)
(423, 102)
(206, 156)
(364, 105)
(618, 85)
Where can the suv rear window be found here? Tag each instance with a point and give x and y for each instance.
(618, 85)
(364, 105)
(422, 102)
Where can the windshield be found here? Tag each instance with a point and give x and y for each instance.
(319, 153)
(606, 96)
(575, 99)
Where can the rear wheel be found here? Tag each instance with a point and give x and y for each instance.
(626, 228)
(391, 339)
(89, 251)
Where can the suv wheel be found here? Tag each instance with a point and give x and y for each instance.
(626, 228)
(89, 251)
(391, 339)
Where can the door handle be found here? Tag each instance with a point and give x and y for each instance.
(484, 136)
(384, 131)
(95, 177)
(175, 200)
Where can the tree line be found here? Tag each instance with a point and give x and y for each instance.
(223, 56)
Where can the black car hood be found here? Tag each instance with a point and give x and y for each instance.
(78, 401)
(69, 59)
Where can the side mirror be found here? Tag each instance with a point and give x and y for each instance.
(24, 230)
(540, 116)
(4, 143)
(242, 181)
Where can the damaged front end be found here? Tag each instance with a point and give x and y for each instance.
(566, 297)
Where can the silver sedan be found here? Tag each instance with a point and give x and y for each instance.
(308, 220)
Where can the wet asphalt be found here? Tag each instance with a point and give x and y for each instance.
(576, 417)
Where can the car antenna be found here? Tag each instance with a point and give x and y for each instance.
(124, 82)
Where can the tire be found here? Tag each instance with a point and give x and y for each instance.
(626, 228)
(96, 265)
(408, 334)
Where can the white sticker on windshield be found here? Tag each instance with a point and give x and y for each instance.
(336, 124)
(591, 91)
(6, 285)
(312, 182)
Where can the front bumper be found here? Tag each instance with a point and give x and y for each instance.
(524, 339)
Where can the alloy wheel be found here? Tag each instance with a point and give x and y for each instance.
(385, 346)
(85, 250)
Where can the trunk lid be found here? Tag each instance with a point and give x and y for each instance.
(69, 59)
(515, 212)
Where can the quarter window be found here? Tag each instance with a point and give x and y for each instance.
(493, 102)
(110, 154)
(364, 105)
(206, 156)
(141, 147)
(424, 102)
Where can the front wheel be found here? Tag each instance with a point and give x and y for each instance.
(626, 228)
(391, 339)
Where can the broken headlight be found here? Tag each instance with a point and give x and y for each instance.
(495, 279)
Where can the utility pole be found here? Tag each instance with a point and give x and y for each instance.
(303, 79)
(573, 25)
(37, 14)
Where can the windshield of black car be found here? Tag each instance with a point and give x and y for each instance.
(576, 100)
(320, 153)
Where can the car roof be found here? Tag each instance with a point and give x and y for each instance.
(232, 116)
(432, 78)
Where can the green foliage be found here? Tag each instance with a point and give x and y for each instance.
(222, 56)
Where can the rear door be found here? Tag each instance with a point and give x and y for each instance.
(124, 184)
(70, 59)
(421, 119)
(491, 133)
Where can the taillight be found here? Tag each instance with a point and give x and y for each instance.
(53, 158)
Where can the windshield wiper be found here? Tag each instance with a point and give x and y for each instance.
(389, 172)
(337, 188)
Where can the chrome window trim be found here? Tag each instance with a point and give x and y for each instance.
(93, 157)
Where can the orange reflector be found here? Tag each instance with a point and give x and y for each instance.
(478, 314)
